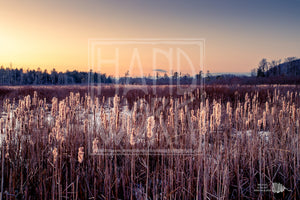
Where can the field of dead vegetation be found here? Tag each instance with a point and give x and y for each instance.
(147, 142)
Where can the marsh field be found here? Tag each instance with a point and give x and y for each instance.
(147, 142)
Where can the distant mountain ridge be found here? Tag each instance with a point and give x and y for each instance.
(285, 69)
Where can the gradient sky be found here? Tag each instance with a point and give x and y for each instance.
(238, 34)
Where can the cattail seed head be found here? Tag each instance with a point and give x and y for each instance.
(211, 124)
(281, 114)
(264, 120)
(182, 115)
(259, 122)
(161, 119)
(55, 154)
(85, 126)
(267, 107)
(293, 112)
(54, 106)
(202, 122)
(28, 102)
(95, 145)
(116, 104)
(283, 105)
(228, 108)
(131, 139)
(217, 113)
(80, 154)
(150, 126)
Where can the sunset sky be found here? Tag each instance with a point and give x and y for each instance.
(238, 34)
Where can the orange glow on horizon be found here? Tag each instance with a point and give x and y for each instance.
(55, 34)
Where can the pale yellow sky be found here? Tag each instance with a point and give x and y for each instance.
(237, 35)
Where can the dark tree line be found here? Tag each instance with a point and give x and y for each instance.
(290, 67)
(174, 79)
(267, 73)
(10, 76)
